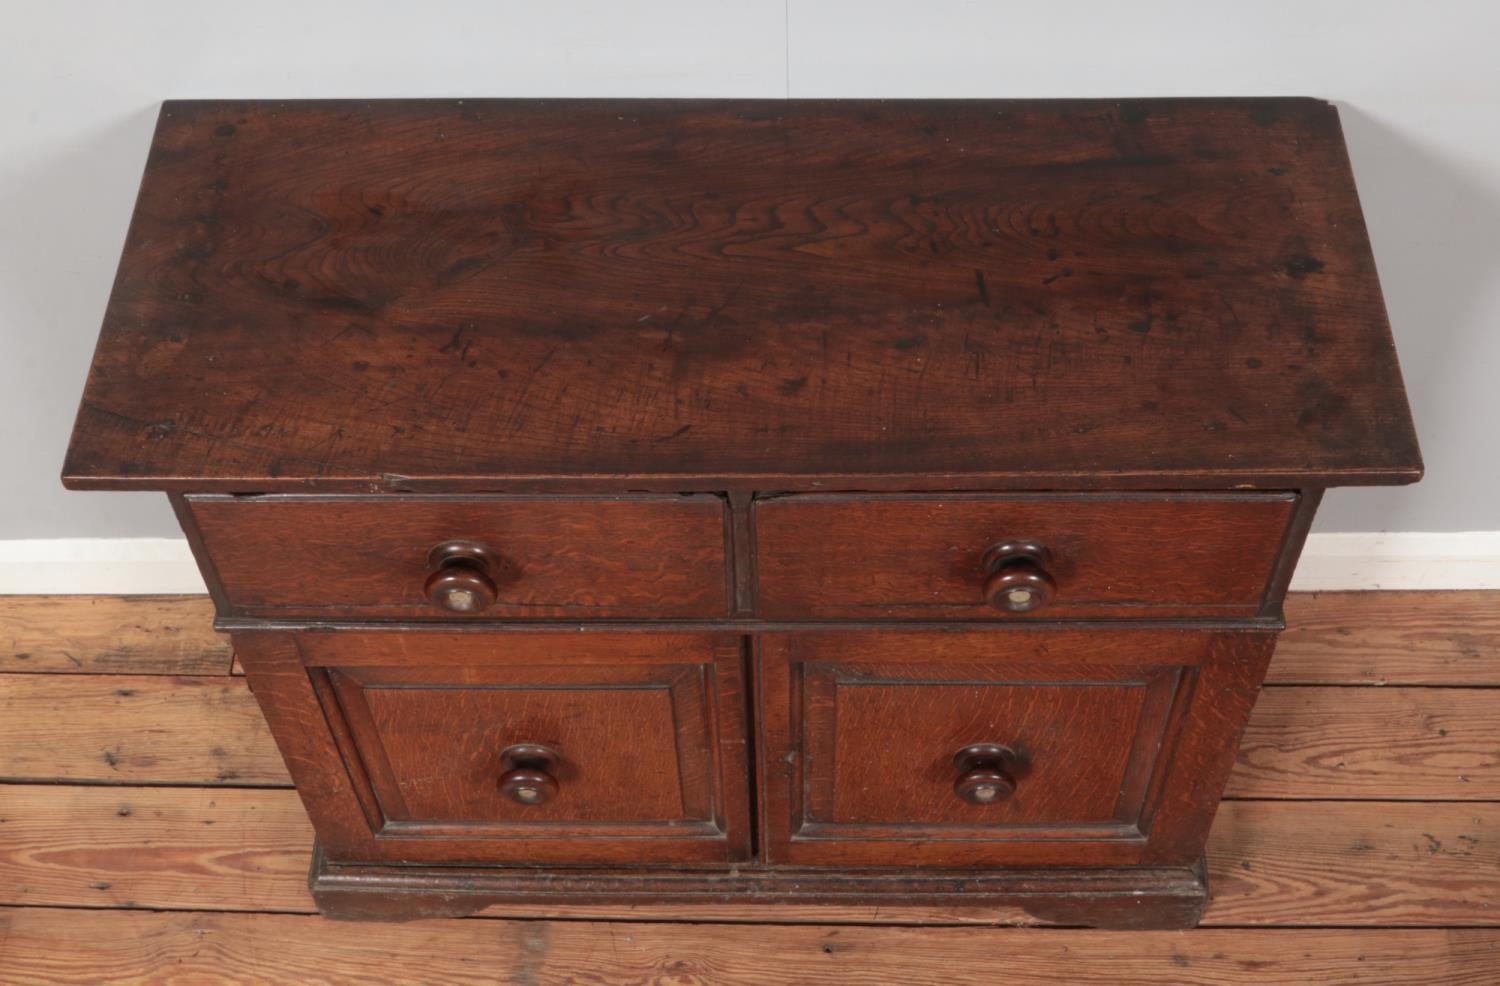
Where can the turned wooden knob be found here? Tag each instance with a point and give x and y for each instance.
(528, 770)
(983, 775)
(461, 579)
(1018, 580)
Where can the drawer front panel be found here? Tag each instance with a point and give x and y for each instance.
(567, 558)
(993, 748)
(531, 748)
(909, 557)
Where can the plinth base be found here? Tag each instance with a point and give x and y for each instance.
(1118, 898)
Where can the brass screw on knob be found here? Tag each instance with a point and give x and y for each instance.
(985, 773)
(986, 792)
(528, 773)
(460, 600)
(529, 793)
(1017, 578)
(462, 579)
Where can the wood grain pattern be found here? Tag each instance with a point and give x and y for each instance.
(367, 557)
(1405, 743)
(301, 726)
(1335, 638)
(1391, 742)
(134, 729)
(1355, 866)
(843, 785)
(1390, 638)
(739, 294)
(1387, 637)
(199, 731)
(1356, 863)
(882, 557)
(400, 735)
(110, 635)
(50, 946)
(1073, 746)
(1155, 898)
(227, 848)
(650, 730)
(1362, 864)
(620, 733)
(564, 346)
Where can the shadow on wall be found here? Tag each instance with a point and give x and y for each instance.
(64, 216)
(1436, 236)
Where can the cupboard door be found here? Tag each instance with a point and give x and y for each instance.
(523, 749)
(1034, 746)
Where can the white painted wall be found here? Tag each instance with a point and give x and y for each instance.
(1419, 86)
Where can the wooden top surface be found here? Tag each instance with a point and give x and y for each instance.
(668, 294)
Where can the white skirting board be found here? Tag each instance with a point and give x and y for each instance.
(1403, 560)
(149, 566)
(98, 566)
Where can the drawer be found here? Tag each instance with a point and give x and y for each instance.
(572, 558)
(536, 748)
(980, 557)
(1035, 746)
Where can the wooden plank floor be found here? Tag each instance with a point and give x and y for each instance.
(148, 833)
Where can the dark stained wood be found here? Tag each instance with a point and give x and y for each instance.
(302, 729)
(368, 557)
(505, 432)
(530, 773)
(778, 294)
(638, 750)
(110, 635)
(49, 945)
(880, 739)
(649, 730)
(1120, 740)
(910, 557)
(987, 772)
(462, 578)
(1018, 576)
(1134, 898)
(1297, 532)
